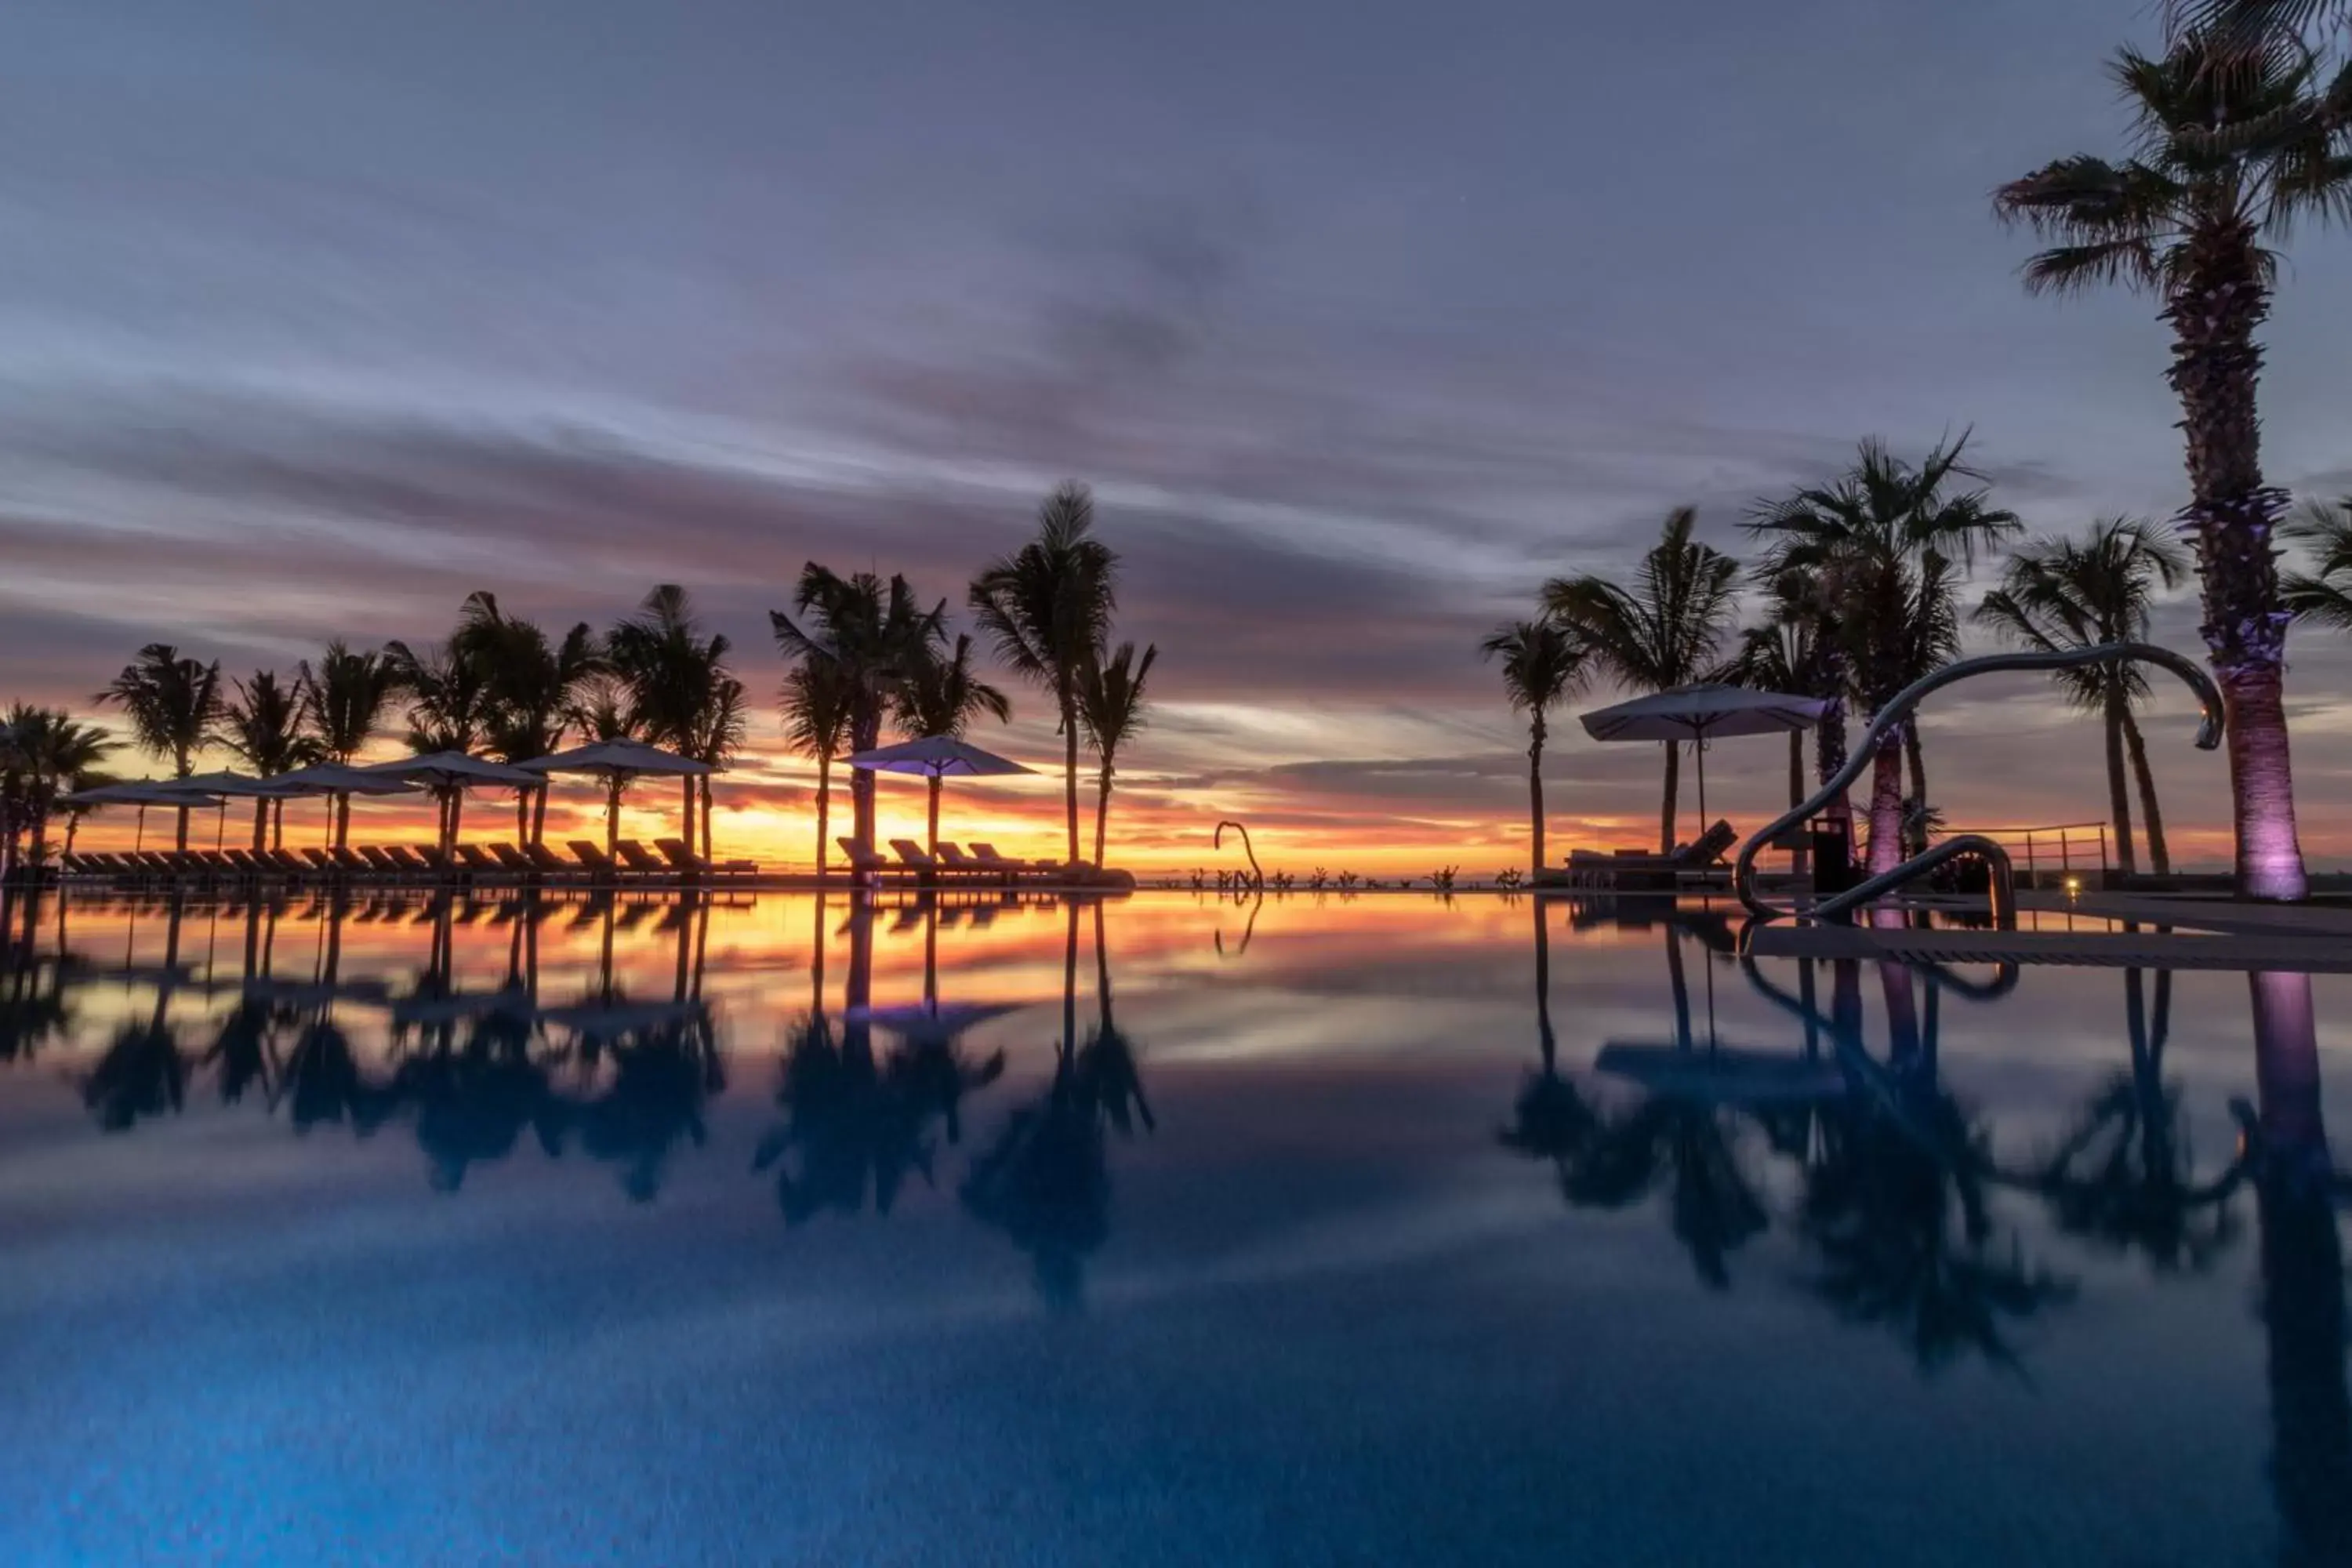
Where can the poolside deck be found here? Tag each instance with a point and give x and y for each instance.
(2114, 950)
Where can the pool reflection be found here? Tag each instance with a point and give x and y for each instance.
(1823, 1138)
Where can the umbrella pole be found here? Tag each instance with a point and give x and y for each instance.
(1699, 750)
(220, 826)
(139, 839)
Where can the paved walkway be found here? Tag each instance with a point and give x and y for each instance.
(2117, 950)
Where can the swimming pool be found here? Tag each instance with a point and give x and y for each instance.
(1165, 1230)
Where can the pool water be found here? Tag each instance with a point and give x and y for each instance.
(1384, 1229)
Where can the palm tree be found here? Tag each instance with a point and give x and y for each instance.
(1884, 541)
(719, 731)
(45, 755)
(875, 638)
(448, 691)
(2325, 597)
(1543, 666)
(673, 673)
(263, 725)
(602, 710)
(942, 697)
(345, 697)
(171, 703)
(816, 722)
(2074, 594)
(2235, 148)
(1048, 606)
(1111, 711)
(1660, 634)
(533, 681)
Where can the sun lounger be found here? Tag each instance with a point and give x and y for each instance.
(593, 859)
(377, 861)
(953, 859)
(918, 859)
(476, 860)
(547, 863)
(986, 854)
(409, 863)
(513, 859)
(864, 864)
(686, 860)
(1634, 870)
(636, 857)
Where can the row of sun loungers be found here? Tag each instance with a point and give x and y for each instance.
(410, 864)
(982, 866)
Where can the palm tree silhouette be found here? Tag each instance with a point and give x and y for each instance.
(1048, 606)
(816, 722)
(2322, 596)
(533, 687)
(1543, 666)
(1111, 711)
(45, 755)
(345, 698)
(31, 1013)
(449, 691)
(2065, 594)
(941, 696)
(171, 703)
(1799, 648)
(262, 724)
(676, 676)
(2235, 148)
(1660, 634)
(875, 637)
(1886, 541)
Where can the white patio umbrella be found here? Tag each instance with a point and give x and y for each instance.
(936, 757)
(1702, 713)
(616, 762)
(337, 783)
(449, 774)
(142, 793)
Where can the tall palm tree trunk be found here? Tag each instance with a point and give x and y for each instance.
(2151, 819)
(1534, 795)
(2118, 795)
(1070, 763)
(824, 808)
(1673, 788)
(522, 814)
(707, 851)
(1102, 810)
(277, 825)
(686, 813)
(1915, 753)
(457, 811)
(180, 832)
(862, 737)
(1886, 806)
(613, 816)
(1803, 860)
(343, 819)
(539, 812)
(260, 823)
(2220, 300)
(931, 819)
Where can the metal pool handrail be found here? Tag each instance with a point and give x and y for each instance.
(2208, 736)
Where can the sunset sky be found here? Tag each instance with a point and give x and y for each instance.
(1362, 319)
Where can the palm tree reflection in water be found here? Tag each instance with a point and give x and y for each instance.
(143, 1073)
(1046, 1182)
(855, 1124)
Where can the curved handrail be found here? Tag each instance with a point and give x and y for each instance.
(2208, 731)
(1258, 877)
(2003, 890)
